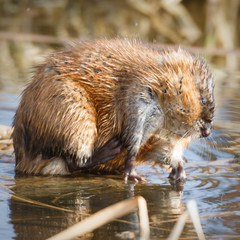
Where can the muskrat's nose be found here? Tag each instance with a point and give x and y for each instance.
(205, 132)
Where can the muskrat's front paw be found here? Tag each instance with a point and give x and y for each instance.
(132, 175)
(178, 174)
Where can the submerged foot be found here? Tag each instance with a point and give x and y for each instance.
(178, 174)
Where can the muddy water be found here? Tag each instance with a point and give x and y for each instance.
(212, 166)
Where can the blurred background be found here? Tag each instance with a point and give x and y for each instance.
(31, 29)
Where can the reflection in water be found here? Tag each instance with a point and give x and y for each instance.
(85, 196)
(41, 222)
(213, 171)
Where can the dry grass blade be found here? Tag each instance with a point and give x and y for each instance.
(40, 204)
(192, 211)
(5, 189)
(106, 215)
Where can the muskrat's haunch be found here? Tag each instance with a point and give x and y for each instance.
(107, 104)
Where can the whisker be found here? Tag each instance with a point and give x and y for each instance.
(184, 135)
(212, 142)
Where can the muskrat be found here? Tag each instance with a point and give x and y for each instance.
(106, 104)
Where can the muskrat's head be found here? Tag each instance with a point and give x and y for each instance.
(186, 92)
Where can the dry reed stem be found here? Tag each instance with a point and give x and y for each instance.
(5, 132)
(178, 227)
(108, 214)
(191, 211)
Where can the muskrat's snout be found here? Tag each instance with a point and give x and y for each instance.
(206, 129)
(205, 132)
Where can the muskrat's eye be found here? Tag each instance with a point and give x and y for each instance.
(203, 101)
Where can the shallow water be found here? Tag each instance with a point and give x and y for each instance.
(212, 166)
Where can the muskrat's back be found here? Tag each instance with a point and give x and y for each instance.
(107, 103)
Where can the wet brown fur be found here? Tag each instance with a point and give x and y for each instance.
(82, 98)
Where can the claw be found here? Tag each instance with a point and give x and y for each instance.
(130, 172)
(133, 176)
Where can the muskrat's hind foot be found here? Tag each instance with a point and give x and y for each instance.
(178, 174)
(130, 172)
(104, 154)
(108, 152)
